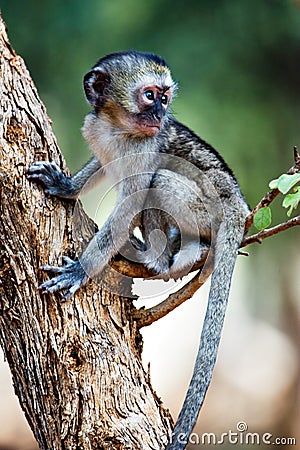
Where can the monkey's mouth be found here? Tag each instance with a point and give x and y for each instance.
(149, 129)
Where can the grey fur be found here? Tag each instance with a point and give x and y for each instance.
(180, 189)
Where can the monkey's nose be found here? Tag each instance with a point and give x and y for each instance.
(158, 116)
(157, 112)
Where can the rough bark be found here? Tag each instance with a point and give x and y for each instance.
(76, 366)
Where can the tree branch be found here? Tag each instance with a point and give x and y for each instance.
(271, 195)
(268, 232)
(145, 317)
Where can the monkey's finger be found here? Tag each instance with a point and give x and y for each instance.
(68, 261)
(71, 291)
(44, 173)
(44, 167)
(40, 178)
(52, 269)
(55, 284)
(49, 284)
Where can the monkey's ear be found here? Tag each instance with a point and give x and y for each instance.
(95, 85)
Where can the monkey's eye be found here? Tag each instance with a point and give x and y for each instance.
(164, 99)
(149, 95)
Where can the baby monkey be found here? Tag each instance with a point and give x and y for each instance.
(170, 183)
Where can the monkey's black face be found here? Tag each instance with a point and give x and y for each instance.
(142, 116)
(149, 122)
(153, 102)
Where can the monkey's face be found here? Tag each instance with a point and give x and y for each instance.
(132, 91)
(153, 102)
(142, 112)
(152, 105)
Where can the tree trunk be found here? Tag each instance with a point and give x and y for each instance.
(76, 366)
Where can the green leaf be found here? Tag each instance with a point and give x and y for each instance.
(286, 182)
(292, 201)
(263, 218)
(273, 184)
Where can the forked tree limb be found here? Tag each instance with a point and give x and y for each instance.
(145, 317)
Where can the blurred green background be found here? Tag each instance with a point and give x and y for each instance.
(237, 63)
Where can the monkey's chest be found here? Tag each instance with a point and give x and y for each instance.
(134, 169)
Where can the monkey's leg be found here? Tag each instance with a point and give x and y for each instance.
(56, 183)
(105, 244)
(157, 253)
(96, 256)
(176, 226)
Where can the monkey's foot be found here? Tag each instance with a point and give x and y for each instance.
(70, 278)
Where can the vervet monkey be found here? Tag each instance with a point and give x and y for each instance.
(179, 187)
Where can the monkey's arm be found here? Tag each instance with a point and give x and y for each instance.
(55, 183)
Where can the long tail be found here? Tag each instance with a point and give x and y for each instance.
(228, 241)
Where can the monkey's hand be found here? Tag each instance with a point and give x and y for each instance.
(70, 278)
(52, 179)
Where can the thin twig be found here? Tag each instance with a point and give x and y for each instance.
(259, 237)
(271, 195)
(266, 201)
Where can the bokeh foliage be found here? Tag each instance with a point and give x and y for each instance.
(237, 63)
